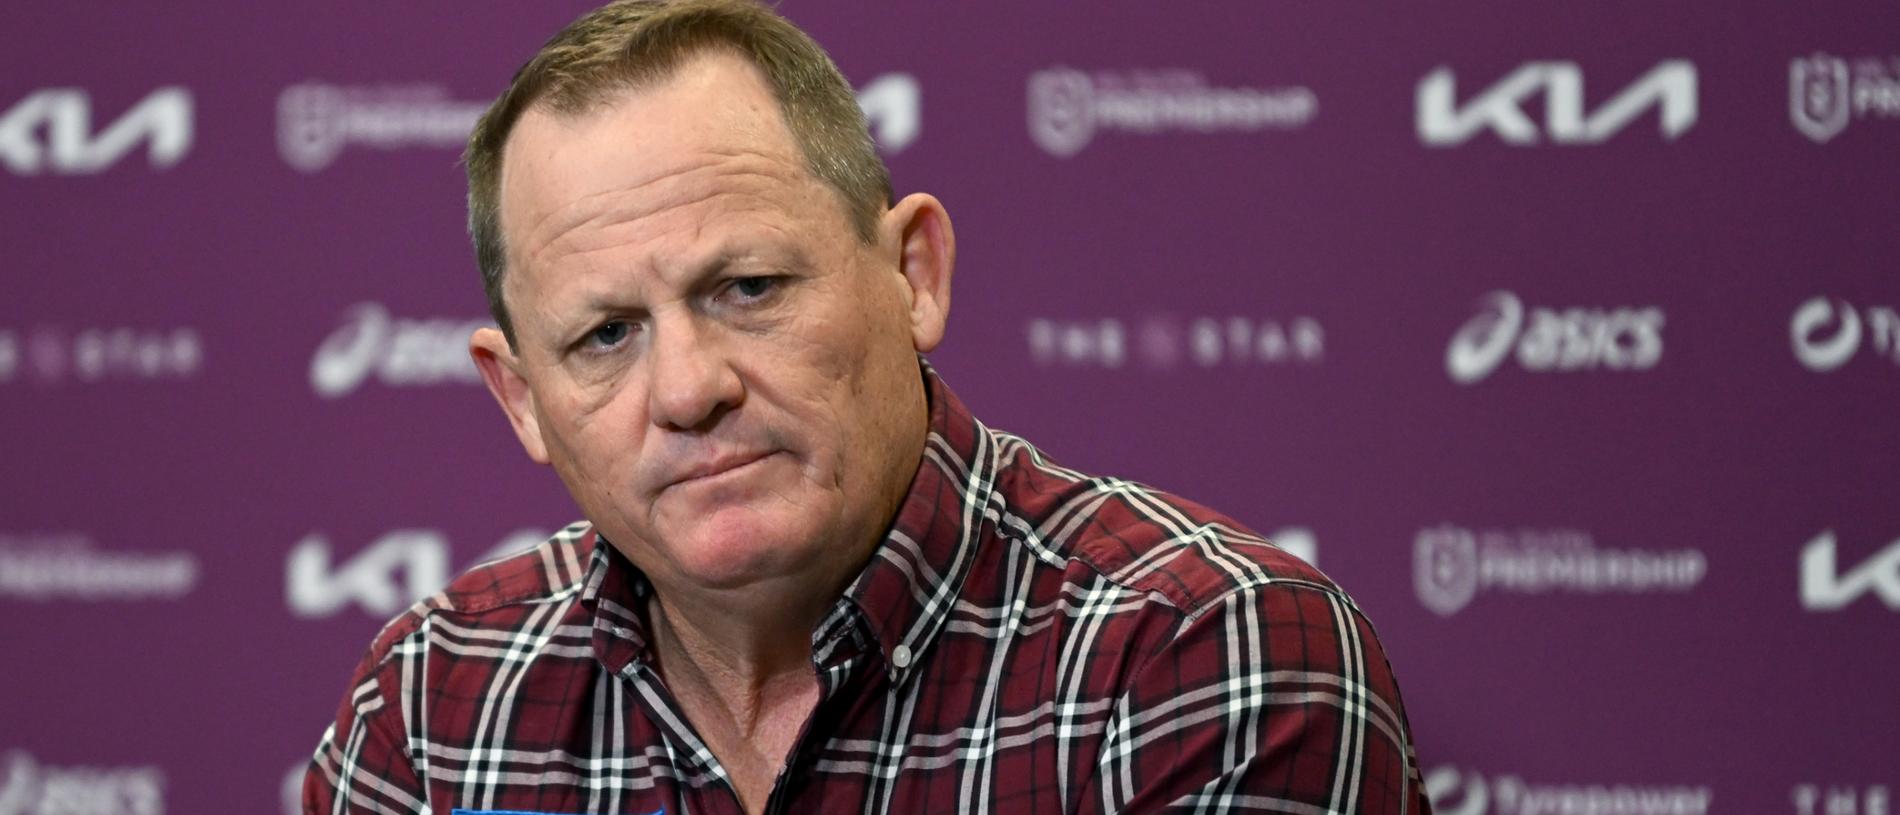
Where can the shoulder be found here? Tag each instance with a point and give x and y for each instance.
(497, 595)
(1148, 541)
(1223, 632)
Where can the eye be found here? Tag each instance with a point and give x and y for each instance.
(609, 334)
(753, 288)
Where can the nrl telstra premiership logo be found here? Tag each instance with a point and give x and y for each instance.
(1068, 108)
(1817, 96)
(1445, 568)
(1825, 93)
(1453, 564)
(317, 120)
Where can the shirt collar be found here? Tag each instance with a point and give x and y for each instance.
(904, 593)
(913, 579)
(615, 591)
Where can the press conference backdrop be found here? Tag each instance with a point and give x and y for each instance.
(1565, 336)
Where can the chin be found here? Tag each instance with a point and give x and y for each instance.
(736, 548)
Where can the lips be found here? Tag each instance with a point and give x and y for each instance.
(712, 467)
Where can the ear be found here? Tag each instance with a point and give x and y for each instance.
(501, 370)
(926, 257)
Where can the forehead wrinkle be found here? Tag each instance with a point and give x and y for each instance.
(633, 214)
(581, 215)
(708, 157)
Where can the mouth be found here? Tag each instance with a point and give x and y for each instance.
(721, 467)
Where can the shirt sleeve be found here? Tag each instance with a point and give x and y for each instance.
(362, 766)
(1277, 699)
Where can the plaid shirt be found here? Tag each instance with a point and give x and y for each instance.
(1026, 639)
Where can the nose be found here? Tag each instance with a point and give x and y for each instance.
(692, 382)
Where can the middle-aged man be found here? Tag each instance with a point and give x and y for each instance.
(809, 579)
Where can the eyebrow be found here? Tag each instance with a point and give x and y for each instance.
(696, 277)
(747, 252)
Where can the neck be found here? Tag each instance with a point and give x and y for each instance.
(740, 646)
(742, 677)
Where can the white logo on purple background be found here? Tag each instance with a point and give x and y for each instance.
(9, 356)
(893, 110)
(398, 352)
(1061, 110)
(1623, 338)
(1442, 783)
(51, 129)
(397, 569)
(1670, 87)
(48, 566)
(316, 121)
(310, 125)
(101, 354)
(1455, 792)
(1817, 96)
(1827, 93)
(1067, 107)
(292, 789)
(31, 788)
(1445, 568)
(1841, 799)
(1824, 587)
(1485, 340)
(1297, 541)
(1165, 342)
(1451, 565)
(1827, 332)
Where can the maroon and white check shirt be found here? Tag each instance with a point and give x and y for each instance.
(1027, 639)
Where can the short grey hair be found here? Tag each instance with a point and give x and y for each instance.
(630, 44)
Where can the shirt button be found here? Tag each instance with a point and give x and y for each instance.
(900, 656)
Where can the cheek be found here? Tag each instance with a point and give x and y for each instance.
(880, 375)
(810, 378)
(813, 385)
(583, 395)
(836, 373)
(860, 359)
(596, 430)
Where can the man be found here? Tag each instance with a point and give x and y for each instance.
(809, 580)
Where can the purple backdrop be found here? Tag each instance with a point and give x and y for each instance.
(1563, 335)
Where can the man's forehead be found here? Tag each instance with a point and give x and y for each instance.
(715, 105)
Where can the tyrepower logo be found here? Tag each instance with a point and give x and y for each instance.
(48, 566)
(1669, 88)
(1827, 332)
(52, 130)
(1826, 587)
(1826, 93)
(1068, 107)
(1453, 792)
(1624, 338)
(397, 352)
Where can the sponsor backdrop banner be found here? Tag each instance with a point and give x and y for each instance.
(1565, 336)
